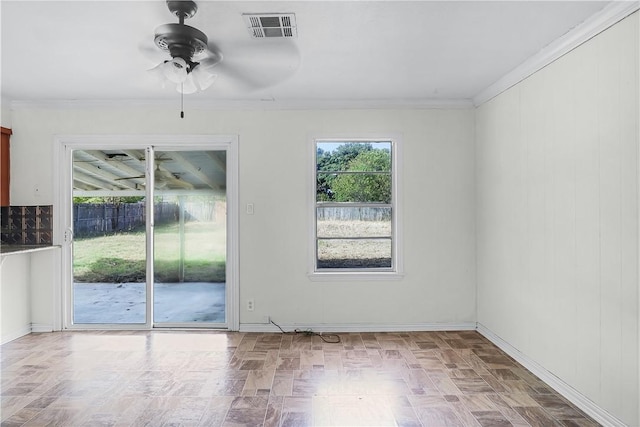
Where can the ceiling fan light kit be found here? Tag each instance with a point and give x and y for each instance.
(174, 70)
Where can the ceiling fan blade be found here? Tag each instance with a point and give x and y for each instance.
(259, 63)
(151, 52)
(209, 58)
(174, 182)
(157, 74)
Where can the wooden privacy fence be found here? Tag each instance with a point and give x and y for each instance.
(363, 213)
(95, 219)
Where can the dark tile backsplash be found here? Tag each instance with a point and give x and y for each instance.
(26, 225)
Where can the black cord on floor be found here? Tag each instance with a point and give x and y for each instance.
(328, 338)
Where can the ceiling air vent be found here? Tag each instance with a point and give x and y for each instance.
(269, 25)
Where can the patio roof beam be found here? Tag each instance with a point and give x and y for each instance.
(103, 174)
(126, 169)
(177, 157)
(92, 181)
(222, 165)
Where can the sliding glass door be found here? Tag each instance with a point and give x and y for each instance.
(147, 235)
(109, 229)
(189, 262)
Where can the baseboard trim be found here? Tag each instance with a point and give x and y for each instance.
(14, 335)
(571, 394)
(359, 327)
(41, 327)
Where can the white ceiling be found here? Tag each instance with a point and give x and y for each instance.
(352, 51)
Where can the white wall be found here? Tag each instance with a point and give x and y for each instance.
(5, 115)
(274, 152)
(557, 218)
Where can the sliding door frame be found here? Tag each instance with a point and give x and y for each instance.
(63, 231)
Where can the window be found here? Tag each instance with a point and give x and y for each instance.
(355, 212)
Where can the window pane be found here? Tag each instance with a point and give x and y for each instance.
(353, 222)
(324, 192)
(349, 187)
(361, 172)
(360, 253)
(335, 156)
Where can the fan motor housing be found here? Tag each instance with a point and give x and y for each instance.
(181, 40)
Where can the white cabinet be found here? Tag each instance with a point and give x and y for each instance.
(15, 296)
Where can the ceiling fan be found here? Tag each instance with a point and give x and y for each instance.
(185, 44)
(163, 178)
(193, 58)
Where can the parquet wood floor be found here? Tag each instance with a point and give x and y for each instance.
(204, 378)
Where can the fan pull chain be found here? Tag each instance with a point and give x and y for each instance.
(182, 100)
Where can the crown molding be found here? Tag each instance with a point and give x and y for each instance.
(261, 104)
(611, 14)
(359, 327)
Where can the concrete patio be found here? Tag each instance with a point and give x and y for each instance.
(199, 302)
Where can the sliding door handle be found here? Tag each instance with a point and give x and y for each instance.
(68, 236)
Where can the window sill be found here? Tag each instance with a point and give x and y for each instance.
(346, 276)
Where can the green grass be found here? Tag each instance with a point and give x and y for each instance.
(121, 257)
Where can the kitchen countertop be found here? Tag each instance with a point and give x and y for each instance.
(21, 249)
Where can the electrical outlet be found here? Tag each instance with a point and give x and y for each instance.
(250, 305)
(266, 319)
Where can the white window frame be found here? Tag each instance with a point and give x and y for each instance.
(396, 271)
